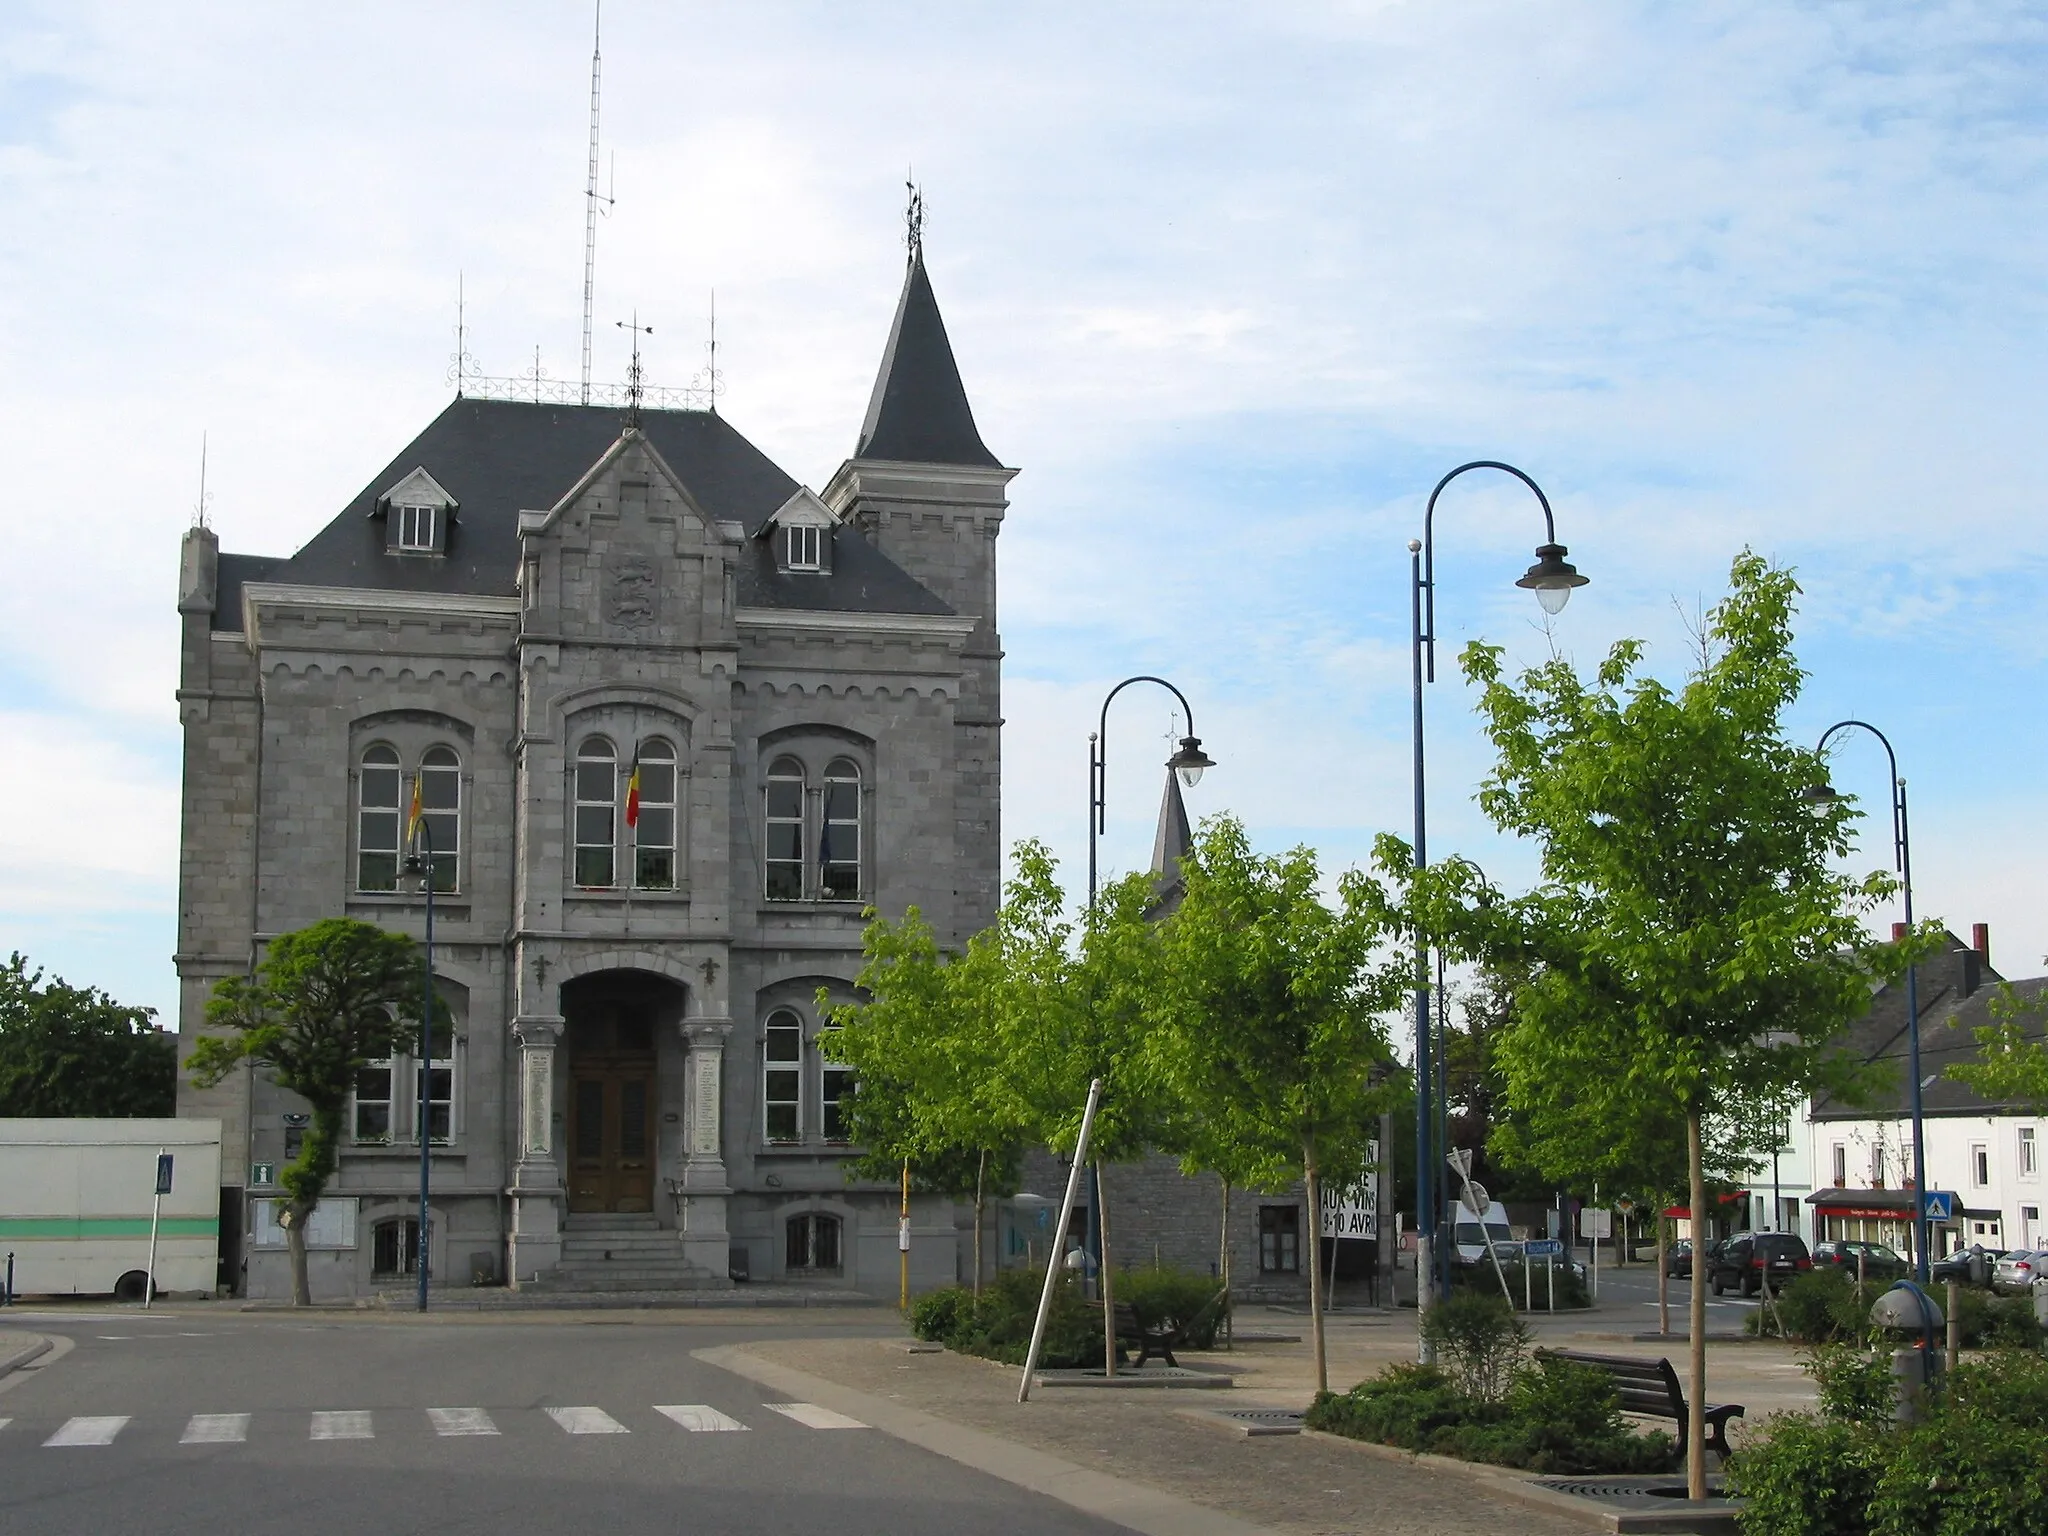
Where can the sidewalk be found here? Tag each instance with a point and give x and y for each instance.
(1306, 1485)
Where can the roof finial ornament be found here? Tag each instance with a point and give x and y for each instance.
(199, 511)
(633, 375)
(461, 366)
(539, 373)
(913, 218)
(709, 381)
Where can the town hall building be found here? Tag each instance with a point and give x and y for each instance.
(527, 603)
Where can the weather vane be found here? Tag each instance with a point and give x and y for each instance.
(913, 218)
(633, 375)
(461, 366)
(709, 380)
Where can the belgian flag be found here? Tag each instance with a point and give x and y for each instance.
(412, 815)
(633, 790)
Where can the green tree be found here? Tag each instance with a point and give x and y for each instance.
(1690, 936)
(1270, 1005)
(919, 1045)
(68, 1051)
(2012, 1062)
(325, 1001)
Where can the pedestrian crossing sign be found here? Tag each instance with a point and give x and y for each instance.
(1940, 1205)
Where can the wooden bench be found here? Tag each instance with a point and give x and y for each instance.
(1157, 1343)
(1649, 1389)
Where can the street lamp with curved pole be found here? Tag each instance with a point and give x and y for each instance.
(1820, 796)
(1188, 762)
(1552, 579)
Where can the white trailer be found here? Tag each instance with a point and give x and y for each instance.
(78, 1199)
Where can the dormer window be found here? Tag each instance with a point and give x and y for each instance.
(801, 548)
(417, 513)
(416, 530)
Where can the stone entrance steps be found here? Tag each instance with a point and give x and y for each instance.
(624, 1253)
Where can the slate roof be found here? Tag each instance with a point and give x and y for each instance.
(497, 457)
(919, 412)
(1171, 842)
(1956, 990)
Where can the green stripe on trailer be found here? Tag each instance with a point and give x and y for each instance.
(85, 1228)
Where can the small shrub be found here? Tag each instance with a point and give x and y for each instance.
(2009, 1387)
(1996, 1322)
(997, 1326)
(937, 1315)
(1854, 1387)
(1480, 1341)
(1554, 1417)
(1961, 1476)
(1821, 1307)
(1167, 1298)
(1807, 1475)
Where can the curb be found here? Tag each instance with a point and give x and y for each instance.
(1120, 1501)
(18, 1349)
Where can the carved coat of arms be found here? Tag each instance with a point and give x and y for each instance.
(631, 592)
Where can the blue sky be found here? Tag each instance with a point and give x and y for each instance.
(1231, 285)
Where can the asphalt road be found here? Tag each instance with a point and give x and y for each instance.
(214, 1424)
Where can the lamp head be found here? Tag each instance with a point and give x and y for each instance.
(1189, 761)
(1818, 797)
(1552, 577)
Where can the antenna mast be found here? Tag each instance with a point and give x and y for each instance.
(591, 198)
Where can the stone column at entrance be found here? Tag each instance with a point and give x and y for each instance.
(535, 1242)
(701, 1199)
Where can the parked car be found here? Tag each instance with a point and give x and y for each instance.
(2018, 1270)
(1678, 1258)
(1876, 1261)
(1968, 1266)
(1746, 1258)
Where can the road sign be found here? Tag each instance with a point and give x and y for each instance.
(262, 1173)
(1941, 1205)
(1544, 1248)
(1460, 1158)
(1595, 1223)
(163, 1173)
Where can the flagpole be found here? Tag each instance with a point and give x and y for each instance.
(422, 841)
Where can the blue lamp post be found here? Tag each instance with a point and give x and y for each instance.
(1821, 796)
(1552, 579)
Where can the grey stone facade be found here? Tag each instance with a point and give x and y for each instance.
(635, 1096)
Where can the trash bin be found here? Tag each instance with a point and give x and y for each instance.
(1911, 1317)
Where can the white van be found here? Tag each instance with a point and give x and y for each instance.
(1471, 1234)
(76, 1198)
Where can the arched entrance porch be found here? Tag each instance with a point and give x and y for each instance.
(614, 1023)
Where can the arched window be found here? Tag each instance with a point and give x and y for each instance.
(651, 813)
(597, 768)
(839, 842)
(835, 1084)
(441, 810)
(782, 1077)
(785, 861)
(378, 793)
(811, 1241)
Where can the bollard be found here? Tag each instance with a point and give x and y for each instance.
(9, 1293)
(1916, 1366)
(1955, 1328)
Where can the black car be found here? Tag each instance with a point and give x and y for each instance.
(1967, 1266)
(1746, 1258)
(1874, 1261)
(1678, 1258)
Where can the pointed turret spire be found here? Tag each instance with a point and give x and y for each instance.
(1170, 844)
(919, 412)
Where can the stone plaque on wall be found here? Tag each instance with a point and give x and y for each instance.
(538, 1068)
(704, 1103)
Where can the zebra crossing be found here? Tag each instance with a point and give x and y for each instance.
(99, 1430)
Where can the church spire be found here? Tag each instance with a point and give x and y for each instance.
(919, 413)
(1170, 844)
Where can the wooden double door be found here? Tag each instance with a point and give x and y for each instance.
(612, 1111)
